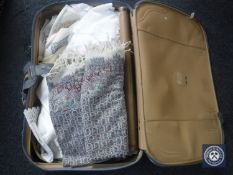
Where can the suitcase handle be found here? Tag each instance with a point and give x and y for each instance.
(31, 74)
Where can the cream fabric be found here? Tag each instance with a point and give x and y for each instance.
(44, 123)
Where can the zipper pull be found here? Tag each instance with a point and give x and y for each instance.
(192, 15)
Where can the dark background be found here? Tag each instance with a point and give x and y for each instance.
(15, 34)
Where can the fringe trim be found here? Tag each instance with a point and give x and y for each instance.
(69, 62)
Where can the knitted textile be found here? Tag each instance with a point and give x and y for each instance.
(87, 108)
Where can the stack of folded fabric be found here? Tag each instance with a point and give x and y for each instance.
(82, 119)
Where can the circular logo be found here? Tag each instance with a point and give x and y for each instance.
(214, 155)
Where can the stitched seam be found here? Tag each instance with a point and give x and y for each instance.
(182, 120)
(157, 36)
(149, 11)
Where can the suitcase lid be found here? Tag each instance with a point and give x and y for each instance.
(176, 101)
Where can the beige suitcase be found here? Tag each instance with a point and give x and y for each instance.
(170, 97)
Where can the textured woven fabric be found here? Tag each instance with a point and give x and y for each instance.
(88, 111)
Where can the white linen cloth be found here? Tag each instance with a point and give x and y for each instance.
(44, 123)
(100, 23)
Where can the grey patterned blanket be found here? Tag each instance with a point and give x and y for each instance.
(87, 108)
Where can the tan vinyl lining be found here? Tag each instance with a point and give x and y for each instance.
(177, 107)
(129, 91)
